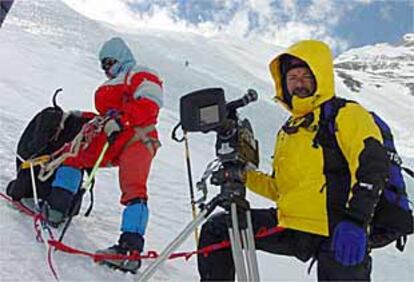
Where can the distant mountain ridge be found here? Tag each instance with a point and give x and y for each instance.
(379, 64)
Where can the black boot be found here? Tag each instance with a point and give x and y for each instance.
(59, 203)
(128, 244)
(11, 190)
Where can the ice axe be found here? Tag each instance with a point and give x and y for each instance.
(85, 187)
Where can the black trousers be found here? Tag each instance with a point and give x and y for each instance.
(219, 265)
(5, 6)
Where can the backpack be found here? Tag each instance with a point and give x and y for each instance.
(393, 218)
(47, 132)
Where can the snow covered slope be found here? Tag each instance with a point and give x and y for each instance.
(46, 45)
(382, 78)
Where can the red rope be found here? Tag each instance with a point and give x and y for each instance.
(262, 233)
(98, 257)
(50, 262)
(37, 226)
(37, 221)
(152, 254)
(19, 205)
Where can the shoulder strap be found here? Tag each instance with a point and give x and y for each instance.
(325, 136)
(401, 242)
(329, 111)
(408, 171)
(384, 128)
(389, 144)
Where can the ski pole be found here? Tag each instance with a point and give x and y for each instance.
(35, 198)
(190, 177)
(44, 225)
(98, 162)
(44, 228)
(190, 181)
(85, 187)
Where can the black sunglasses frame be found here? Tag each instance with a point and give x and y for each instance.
(107, 63)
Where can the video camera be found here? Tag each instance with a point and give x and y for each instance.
(236, 148)
(206, 110)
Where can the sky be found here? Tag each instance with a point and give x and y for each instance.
(343, 24)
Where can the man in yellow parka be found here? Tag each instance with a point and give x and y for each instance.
(325, 198)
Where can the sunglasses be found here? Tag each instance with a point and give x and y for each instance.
(107, 63)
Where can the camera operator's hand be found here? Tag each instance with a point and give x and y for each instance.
(249, 167)
(349, 243)
(112, 128)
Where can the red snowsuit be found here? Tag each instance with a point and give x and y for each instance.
(136, 95)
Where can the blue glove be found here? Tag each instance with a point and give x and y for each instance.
(349, 243)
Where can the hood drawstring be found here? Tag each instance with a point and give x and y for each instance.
(306, 122)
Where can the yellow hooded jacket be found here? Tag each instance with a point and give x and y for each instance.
(311, 185)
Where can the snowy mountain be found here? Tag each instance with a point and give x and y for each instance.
(382, 78)
(45, 45)
(379, 64)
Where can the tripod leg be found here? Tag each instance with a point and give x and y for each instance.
(236, 246)
(247, 254)
(149, 271)
(251, 249)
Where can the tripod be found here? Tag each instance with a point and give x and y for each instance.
(236, 148)
(240, 234)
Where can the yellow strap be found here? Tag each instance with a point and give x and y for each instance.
(36, 161)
